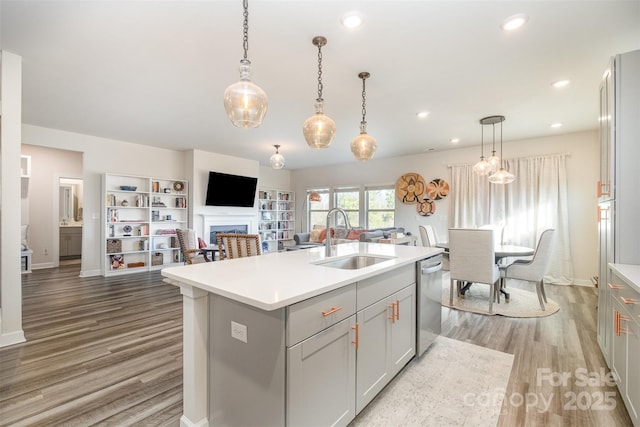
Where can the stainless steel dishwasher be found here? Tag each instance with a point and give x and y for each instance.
(429, 299)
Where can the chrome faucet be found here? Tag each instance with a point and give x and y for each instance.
(327, 245)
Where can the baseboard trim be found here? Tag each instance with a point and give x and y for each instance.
(90, 273)
(583, 282)
(42, 266)
(12, 338)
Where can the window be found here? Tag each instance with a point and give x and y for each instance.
(380, 206)
(366, 207)
(318, 210)
(348, 199)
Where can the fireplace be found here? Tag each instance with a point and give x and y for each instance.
(237, 224)
(232, 229)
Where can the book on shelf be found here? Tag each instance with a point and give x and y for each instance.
(181, 202)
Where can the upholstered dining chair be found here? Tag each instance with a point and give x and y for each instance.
(532, 270)
(189, 246)
(429, 238)
(472, 259)
(238, 245)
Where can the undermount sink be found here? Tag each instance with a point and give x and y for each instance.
(354, 262)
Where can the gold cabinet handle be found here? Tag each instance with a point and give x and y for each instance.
(629, 300)
(356, 342)
(393, 313)
(600, 192)
(397, 310)
(614, 286)
(333, 310)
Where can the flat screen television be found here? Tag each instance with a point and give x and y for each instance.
(225, 189)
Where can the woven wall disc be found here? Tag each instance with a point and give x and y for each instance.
(426, 207)
(437, 189)
(410, 188)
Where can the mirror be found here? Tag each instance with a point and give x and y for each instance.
(70, 203)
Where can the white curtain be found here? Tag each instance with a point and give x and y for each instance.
(535, 201)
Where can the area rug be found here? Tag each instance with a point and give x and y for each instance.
(521, 304)
(453, 384)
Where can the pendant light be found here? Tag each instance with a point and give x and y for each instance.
(277, 159)
(364, 145)
(501, 176)
(482, 167)
(244, 101)
(494, 161)
(314, 196)
(319, 130)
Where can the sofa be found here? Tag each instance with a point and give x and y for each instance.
(342, 235)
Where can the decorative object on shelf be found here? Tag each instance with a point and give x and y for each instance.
(167, 190)
(501, 176)
(410, 188)
(245, 102)
(426, 207)
(124, 203)
(127, 230)
(178, 186)
(437, 189)
(319, 129)
(155, 186)
(117, 261)
(277, 159)
(157, 258)
(364, 145)
(128, 188)
(114, 245)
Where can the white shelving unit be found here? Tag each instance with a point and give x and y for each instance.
(276, 221)
(140, 216)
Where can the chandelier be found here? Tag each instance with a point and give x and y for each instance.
(277, 159)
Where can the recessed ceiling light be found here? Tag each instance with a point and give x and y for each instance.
(455, 140)
(556, 125)
(560, 84)
(514, 22)
(422, 114)
(352, 19)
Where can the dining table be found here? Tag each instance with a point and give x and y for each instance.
(501, 251)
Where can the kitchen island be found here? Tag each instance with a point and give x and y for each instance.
(272, 339)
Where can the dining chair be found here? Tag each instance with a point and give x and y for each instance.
(429, 238)
(189, 246)
(238, 245)
(532, 270)
(472, 259)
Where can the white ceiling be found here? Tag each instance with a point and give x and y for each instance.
(154, 72)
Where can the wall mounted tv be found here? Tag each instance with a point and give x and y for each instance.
(231, 190)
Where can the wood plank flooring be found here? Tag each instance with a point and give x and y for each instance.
(108, 352)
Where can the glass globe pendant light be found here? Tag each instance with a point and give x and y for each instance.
(277, 159)
(364, 145)
(319, 130)
(245, 102)
(501, 176)
(482, 167)
(494, 161)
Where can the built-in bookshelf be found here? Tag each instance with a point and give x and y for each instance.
(276, 219)
(140, 217)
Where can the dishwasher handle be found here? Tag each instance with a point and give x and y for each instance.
(429, 270)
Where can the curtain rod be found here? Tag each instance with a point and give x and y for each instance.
(516, 158)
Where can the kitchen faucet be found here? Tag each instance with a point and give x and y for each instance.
(327, 245)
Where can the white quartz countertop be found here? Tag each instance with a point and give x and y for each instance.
(279, 279)
(629, 272)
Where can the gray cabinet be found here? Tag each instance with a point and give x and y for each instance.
(386, 342)
(618, 195)
(321, 377)
(70, 241)
(625, 343)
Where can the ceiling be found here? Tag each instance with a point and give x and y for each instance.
(154, 72)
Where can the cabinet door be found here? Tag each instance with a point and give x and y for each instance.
(633, 374)
(374, 323)
(619, 345)
(605, 255)
(75, 244)
(321, 377)
(605, 184)
(403, 329)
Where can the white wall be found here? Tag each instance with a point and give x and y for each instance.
(10, 188)
(582, 175)
(102, 155)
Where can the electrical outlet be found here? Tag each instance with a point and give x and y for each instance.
(239, 331)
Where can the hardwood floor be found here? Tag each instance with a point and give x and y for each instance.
(108, 351)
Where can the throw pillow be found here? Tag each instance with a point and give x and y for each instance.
(355, 234)
(323, 235)
(201, 243)
(340, 233)
(313, 236)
